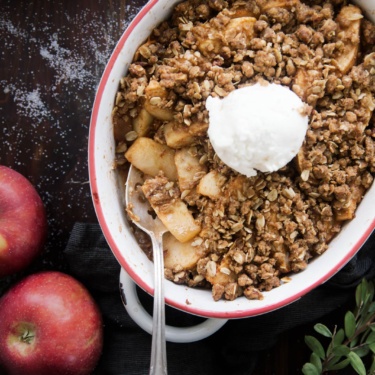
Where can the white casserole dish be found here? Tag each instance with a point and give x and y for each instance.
(108, 194)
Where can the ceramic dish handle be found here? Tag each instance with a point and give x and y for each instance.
(173, 334)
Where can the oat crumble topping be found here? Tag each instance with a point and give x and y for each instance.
(253, 231)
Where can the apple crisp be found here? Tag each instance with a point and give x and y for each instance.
(244, 235)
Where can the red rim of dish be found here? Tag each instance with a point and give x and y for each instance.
(106, 231)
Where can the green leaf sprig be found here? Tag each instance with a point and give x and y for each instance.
(350, 344)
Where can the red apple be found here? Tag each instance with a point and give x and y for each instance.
(49, 325)
(23, 223)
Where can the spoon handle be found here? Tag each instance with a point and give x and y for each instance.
(158, 365)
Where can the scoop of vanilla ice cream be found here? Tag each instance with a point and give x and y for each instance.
(259, 127)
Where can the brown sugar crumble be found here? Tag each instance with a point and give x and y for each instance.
(252, 231)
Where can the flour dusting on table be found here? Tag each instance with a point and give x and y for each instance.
(50, 101)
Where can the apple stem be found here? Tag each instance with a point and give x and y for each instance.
(27, 337)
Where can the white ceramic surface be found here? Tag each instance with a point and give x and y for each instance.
(108, 196)
(172, 334)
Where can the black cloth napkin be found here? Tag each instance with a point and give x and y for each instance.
(232, 350)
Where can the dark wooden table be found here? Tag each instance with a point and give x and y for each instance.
(52, 55)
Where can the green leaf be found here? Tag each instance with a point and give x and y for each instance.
(367, 295)
(357, 363)
(371, 308)
(358, 295)
(329, 349)
(339, 366)
(310, 369)
(323, 330)
(371, 290)
(365, 286)
(364, 295)
(362, 351)
(333, 360)
(316, 361)
(371, 338)
(339, 337)
(315, 346)
(372, 347)
(353, 342)
(341, 351)
(372, 368)
(349, 323)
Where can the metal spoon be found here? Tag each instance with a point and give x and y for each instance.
(139, 210)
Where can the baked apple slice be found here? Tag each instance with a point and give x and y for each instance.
(178, 136)
(142, 123)
(178, 254)
(163, 197)
(189, 168)
(155, 96)
(151, 157)
(210, 185)
(349, 21)
(287, 4)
